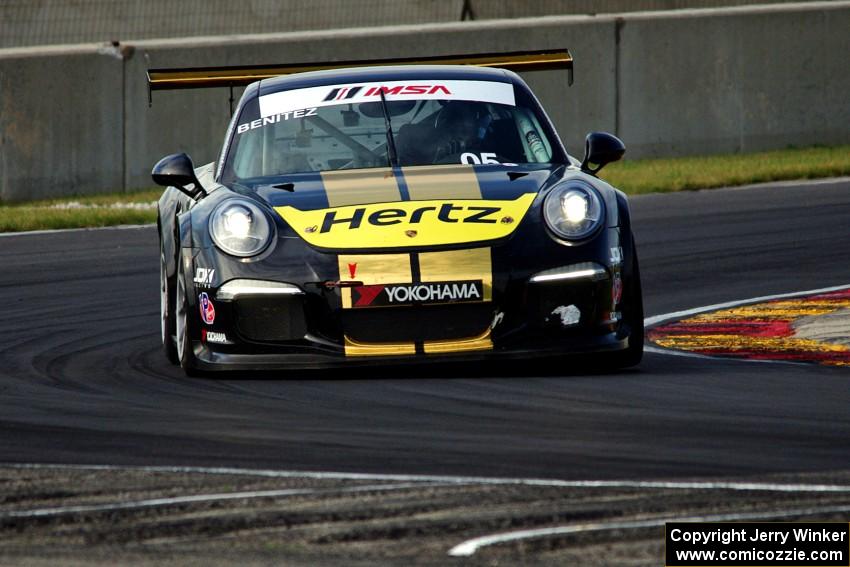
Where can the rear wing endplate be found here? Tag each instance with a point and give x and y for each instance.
(208, 77)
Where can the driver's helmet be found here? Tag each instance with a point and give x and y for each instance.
(460, 120)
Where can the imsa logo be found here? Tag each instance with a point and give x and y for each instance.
(344, 93)
(390, 295)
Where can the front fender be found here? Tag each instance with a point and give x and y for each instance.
(167, 228)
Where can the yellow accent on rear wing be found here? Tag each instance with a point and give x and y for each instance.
(207, 77)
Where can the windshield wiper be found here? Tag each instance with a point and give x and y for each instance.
(392, 156)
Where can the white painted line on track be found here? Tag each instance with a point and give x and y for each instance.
(658, 350)
(470, 546)
(715, 358)
(657, 319)
(201, 498)
(466, 548)
(785, 184)
(449, 480)
(89, 229)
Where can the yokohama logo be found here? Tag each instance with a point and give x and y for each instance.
(345, 93)
(421, 293)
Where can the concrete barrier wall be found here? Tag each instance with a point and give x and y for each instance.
(669, 83)
(61, 123)
(43, 22)
(734, 80)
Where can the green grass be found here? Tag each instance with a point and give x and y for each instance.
(633, 177)
(94, 211)
(17, 219)
(143, 196)
(682, 174)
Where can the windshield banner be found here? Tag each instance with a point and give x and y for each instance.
(482, 91)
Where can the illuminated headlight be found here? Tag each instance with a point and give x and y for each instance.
(240, 228)
(573, 211)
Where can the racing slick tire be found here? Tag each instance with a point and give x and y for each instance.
(632, 318)
(185, 354)
(166, 311)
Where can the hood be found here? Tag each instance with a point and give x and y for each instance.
(407, 207)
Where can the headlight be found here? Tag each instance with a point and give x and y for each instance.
(240, 228)
(573, 211)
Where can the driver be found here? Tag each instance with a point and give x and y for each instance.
(460, 127)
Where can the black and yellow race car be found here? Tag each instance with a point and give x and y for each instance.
(394, 213)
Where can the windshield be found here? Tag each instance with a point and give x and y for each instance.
(344, 127)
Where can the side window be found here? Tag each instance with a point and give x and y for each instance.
(537, 148)
(240, 158)
(248, 157)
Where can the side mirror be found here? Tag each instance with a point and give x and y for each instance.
(177, 170)
(600, 149)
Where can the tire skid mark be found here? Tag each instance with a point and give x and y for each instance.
(20, 360)
(51, 281)
(148, 362)
(54, 359)
(98, 314)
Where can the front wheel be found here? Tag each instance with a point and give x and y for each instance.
(632, 318)
(185, 354)
(166, 311)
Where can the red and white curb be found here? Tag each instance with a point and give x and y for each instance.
(809, 326)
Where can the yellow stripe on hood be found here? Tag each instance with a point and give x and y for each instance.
(441, 182)
(346, 187)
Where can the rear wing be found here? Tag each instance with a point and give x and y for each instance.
(208, 77)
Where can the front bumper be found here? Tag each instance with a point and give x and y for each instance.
(317, 358)
(569, 310)
(542, 299)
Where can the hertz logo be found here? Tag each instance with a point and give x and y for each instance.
(389, 225)
(447, 212)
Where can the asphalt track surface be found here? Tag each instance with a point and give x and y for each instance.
(82, 378)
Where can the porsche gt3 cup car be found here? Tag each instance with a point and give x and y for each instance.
(394, 213)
